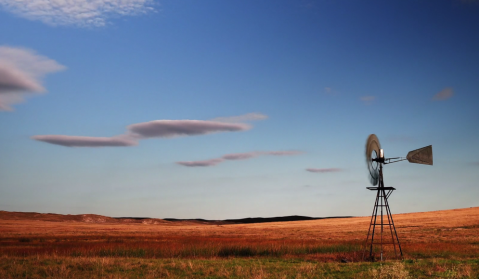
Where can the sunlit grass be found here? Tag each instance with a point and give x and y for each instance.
(100, 267)
(435, 245)
(186, 247)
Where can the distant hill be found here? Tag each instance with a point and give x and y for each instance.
(257, 219)
(93, 218)
(85, 218)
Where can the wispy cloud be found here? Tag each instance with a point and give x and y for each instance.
(11, 80)
(248, 155)
(176, 128)
(76, 12)
(254, 116)
(21, 71)
(237, 156)
(368, 99)
(444, 94)
(78, 141)
(242, 156)
(145, 130)
(323, 170)
(205, 163)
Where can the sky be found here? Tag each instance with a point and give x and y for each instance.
(231, 109)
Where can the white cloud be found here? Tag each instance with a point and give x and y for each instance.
(241, 118)
(145, 130)
(248, 155)
(8, 99)
(21, 71)
(12, 79)
(176, 128)
(76, 12)
(79, 141)
(205, 163)
(444, 94)
(242, 156)
(237, 156)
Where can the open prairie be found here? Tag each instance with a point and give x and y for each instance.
(439, 243)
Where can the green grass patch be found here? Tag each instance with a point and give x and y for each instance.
(125, 267)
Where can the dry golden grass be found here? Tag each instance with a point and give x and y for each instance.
(436, 244)
(448, 233)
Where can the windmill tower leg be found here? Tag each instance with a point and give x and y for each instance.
(392, 227)
(372, 228)
(381, 202)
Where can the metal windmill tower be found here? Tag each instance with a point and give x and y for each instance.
(382, 224)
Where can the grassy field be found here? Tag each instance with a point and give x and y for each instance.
(441, 244)
(120, 267)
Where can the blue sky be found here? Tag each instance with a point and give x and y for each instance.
(217, 109)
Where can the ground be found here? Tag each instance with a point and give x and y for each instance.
(438, 244)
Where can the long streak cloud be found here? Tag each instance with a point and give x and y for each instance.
(145, 130)
(177, 128)
(236, 156)
(204, 163)
(78, 141)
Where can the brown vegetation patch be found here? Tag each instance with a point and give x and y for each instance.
(443, 234)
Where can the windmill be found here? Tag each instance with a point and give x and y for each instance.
(375, 160)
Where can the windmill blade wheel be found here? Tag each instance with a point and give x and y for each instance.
(372, 152)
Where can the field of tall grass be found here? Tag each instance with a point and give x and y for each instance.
(142, 246)
(262, 267)
(438, 245)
